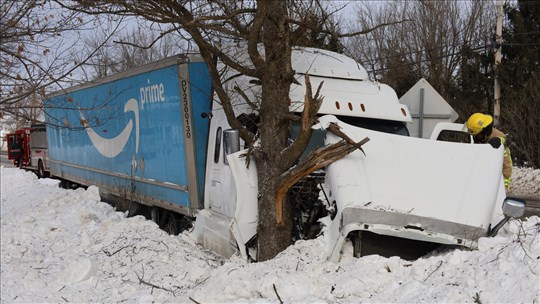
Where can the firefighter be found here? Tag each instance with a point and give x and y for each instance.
(480, 126)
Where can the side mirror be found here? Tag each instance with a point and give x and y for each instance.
(512, 208)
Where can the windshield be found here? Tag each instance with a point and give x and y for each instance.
(386, 126)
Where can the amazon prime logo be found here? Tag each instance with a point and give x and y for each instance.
(152, 93)
(111, 147)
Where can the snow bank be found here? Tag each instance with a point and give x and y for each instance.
(526, 181)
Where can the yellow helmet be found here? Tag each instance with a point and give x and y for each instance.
(477, 122)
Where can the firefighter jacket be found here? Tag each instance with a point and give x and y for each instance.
(507, 161)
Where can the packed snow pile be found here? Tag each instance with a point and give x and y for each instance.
(526, 181)
(66, 246)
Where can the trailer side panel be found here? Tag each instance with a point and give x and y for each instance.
(127, 135)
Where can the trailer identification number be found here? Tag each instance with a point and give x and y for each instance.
(185, 108)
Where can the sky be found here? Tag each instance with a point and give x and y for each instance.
(62, 245)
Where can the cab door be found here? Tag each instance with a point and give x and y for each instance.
(220, 192)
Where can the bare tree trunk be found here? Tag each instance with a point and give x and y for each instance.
(274, 236)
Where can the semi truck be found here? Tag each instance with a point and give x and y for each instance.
(156, 139)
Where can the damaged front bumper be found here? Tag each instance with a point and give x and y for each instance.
(403, 225)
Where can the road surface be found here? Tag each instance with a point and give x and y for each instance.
(3, 159)
(533, 205)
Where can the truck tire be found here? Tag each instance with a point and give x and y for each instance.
(357, 243)
(41, 170)
(172, 224)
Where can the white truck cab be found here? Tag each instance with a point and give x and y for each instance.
(408, 188)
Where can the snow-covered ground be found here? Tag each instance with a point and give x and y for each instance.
(66, 246)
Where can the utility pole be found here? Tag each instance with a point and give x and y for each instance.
(498, 57)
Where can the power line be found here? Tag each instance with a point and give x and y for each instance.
(363, 63)
(521, 44)
(524, 33)
(421, 52)
(423, 60)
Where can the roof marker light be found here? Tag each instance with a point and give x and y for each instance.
(404, 112)
(362, 107)
(350, 106)
(337, 105)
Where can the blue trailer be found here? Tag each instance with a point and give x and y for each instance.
(140, 135)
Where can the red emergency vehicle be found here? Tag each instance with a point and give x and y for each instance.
(28, 149)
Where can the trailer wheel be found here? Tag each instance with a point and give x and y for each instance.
(41, 171)
(172, 224)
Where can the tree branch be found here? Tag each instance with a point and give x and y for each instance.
(161, 35)
(244, 96)
(312, 104)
